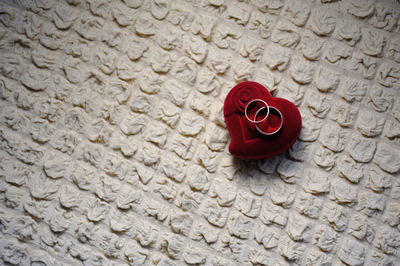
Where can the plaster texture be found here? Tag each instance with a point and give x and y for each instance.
(114, 151)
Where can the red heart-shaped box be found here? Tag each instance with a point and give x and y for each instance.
(246, 141)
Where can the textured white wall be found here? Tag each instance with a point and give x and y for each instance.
(113, 148)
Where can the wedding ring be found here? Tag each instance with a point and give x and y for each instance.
(255, 121)
(269, 112)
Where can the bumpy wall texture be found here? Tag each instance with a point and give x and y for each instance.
(114, 148)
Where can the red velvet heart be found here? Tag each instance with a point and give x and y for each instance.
(246, 141)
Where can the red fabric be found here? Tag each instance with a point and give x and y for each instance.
(246, 141)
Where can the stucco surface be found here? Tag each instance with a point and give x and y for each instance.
(114, 151)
